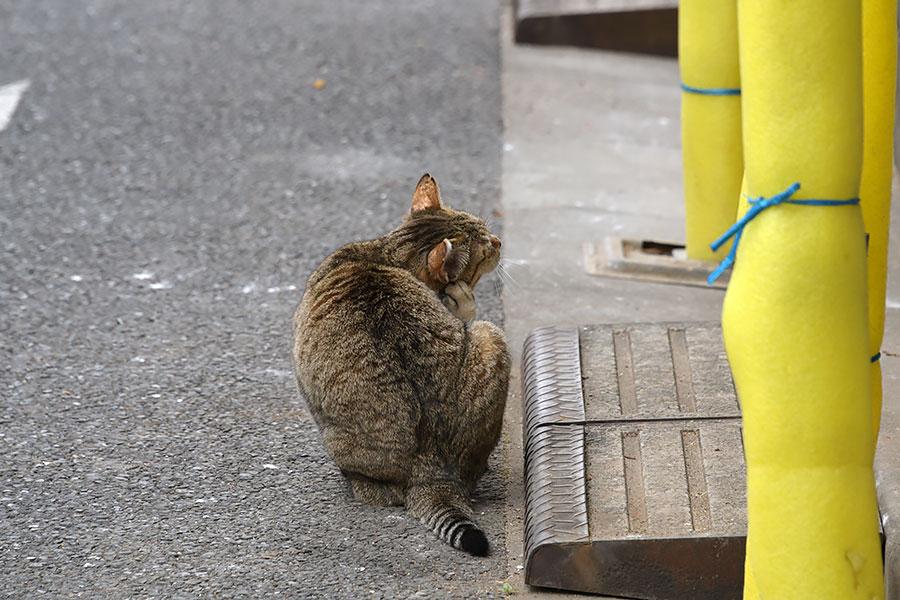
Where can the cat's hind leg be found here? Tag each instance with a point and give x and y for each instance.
(370, 491)
(484, 398)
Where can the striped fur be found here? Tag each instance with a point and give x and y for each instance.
(444, 509)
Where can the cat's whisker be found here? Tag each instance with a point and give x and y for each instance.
(508, 288)
(507, 265)
(506, 261)
(505, 275)
(501, 271)
(504, 270)
(513, 283)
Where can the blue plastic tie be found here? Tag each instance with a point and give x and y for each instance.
(758, 205)
(711, 91)
(875, 358)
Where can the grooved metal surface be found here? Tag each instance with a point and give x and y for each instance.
(555, 501)
(696, 480)
(684, 385)
(625, 373)
(655, 370)
(635, 493)
(551, 371)
(653, 468)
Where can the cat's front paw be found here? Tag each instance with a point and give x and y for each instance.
(460, 300)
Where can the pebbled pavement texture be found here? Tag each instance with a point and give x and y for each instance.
(168, 182)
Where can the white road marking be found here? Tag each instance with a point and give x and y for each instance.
(10, 95)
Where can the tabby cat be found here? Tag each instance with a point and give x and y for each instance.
(407, 389)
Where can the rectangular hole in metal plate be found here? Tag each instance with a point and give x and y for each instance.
(648, 260)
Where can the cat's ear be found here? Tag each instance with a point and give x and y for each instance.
(426, 195)
(445, 262)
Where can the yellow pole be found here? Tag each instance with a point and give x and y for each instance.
(879, 88)
(795, 317)
(710, 120)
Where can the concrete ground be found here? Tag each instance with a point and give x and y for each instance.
(592, 149)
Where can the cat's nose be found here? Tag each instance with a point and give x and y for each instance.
(495, 242)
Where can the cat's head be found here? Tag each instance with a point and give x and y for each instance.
(451, 245)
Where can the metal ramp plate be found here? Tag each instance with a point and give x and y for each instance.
(634, 469)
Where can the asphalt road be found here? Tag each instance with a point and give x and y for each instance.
(168, 181)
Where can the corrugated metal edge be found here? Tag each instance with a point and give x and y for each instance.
(551, 377)
(555, 491)
(555, 495)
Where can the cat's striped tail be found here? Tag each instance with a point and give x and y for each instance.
(443, 508)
